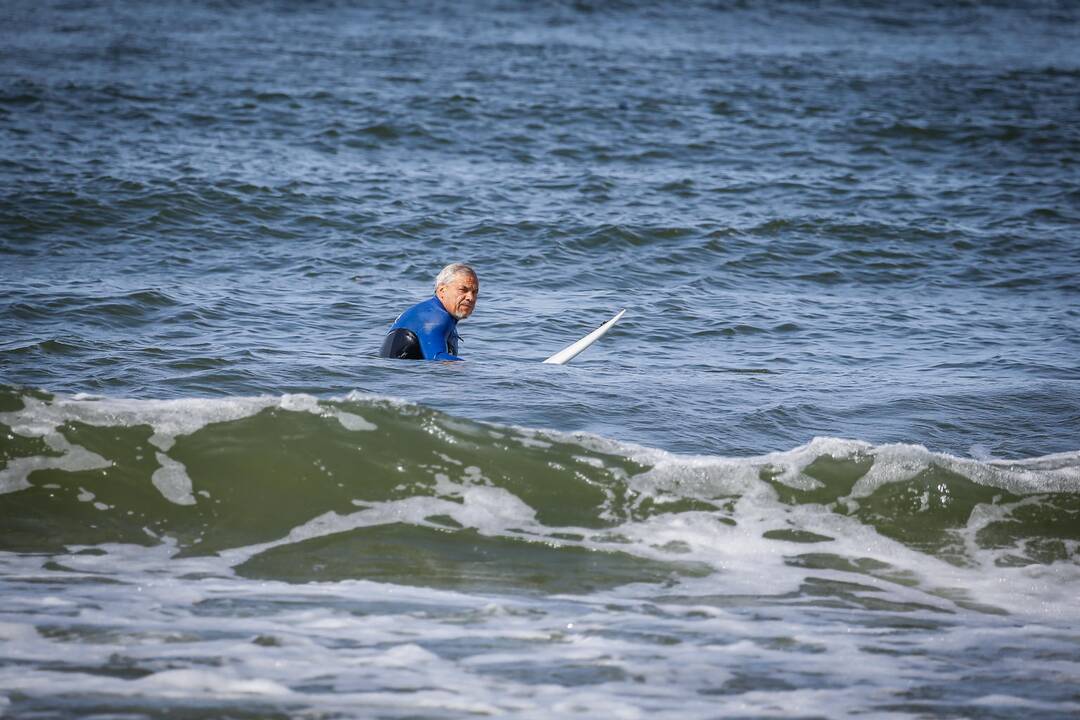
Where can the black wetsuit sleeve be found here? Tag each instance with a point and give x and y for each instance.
(401, 343)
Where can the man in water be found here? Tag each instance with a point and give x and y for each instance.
(428, 330)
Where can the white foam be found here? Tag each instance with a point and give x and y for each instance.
(188, 682)
(17, 632)
(710, 476)
(72, 458)
(998, 700)
(349, 421)
(172, 481)
(897, 463)
(357, 648)
(408, 655)
(489, 510)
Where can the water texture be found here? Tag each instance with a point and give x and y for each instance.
(828, 465)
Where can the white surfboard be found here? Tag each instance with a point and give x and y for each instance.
(572, 351)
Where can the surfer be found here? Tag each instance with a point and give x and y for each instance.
(428, 330)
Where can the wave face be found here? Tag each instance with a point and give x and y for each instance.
(298, 488)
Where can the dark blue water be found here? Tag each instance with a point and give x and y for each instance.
(847, 221)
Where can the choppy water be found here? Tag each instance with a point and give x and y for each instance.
(827, 465)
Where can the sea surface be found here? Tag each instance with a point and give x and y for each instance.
(827, 465)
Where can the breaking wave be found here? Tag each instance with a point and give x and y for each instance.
(300, 488)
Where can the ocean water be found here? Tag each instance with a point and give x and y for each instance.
(828, 464)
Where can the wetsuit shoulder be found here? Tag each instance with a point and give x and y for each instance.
(434, 328)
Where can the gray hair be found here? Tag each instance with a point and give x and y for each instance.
(452, 270)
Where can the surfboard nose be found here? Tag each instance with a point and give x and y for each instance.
(571, 351)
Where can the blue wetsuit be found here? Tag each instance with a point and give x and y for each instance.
(426, 331)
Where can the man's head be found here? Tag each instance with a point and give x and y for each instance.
(457, 287)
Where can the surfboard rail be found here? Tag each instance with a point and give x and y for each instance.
(571, 351)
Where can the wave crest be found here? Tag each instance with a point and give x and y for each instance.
(281, 476)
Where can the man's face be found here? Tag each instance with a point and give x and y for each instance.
(459, 295)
